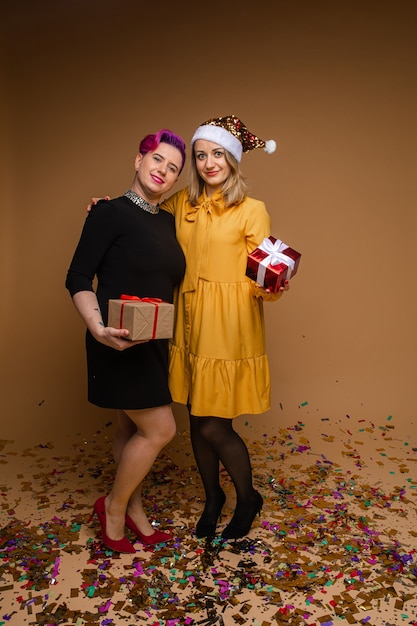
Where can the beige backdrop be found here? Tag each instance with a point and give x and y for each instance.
(334, 82)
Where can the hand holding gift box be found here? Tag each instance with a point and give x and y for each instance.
(144, 318)
(272, 263)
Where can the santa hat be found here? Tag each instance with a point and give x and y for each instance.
(231, 133)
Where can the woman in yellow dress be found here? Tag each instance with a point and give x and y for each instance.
(218, 362)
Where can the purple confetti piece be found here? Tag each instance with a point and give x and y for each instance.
(105, 607)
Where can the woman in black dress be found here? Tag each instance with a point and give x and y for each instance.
(130, 246)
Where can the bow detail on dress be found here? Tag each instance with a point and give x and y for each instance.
(197, 248)
(214, 204)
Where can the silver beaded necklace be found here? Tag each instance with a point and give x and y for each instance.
(143, 204)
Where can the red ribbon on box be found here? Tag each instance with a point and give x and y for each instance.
(154, 301)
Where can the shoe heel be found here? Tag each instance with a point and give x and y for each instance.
(238, 526)
(207, 527)
(148, 540)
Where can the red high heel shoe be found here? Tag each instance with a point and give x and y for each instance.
(156, 537)
(118, 545)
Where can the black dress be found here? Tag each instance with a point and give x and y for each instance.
(136, 253)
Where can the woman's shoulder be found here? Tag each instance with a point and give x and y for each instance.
(252, 205)
(177, 199)
(253, 201)
(182, 194)
(254, 216)
(111, 212)
(105, 204)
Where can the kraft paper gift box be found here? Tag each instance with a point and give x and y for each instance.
(272, 263)
(144, 318)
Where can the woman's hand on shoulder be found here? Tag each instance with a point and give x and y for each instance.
(94, 201)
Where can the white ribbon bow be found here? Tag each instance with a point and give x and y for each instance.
(275, 252)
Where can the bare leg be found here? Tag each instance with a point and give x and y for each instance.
(154, 429)
(124, 430)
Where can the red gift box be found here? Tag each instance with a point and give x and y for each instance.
(272, 263)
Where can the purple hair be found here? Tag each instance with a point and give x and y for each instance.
(151, 142)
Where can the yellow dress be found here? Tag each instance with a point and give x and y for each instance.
(218, 362)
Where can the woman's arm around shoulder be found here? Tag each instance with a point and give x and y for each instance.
(172, 203)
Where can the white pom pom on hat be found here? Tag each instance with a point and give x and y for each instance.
(231, 133)
(270, 146)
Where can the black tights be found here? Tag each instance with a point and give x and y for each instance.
(214, 440)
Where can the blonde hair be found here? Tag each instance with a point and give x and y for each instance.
(234, 189)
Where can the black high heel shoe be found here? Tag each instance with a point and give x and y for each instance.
(206, 525)
(240, 525)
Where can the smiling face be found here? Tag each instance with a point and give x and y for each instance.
(211, 164)
(157, 171)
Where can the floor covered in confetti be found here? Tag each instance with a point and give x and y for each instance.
(336, 542)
